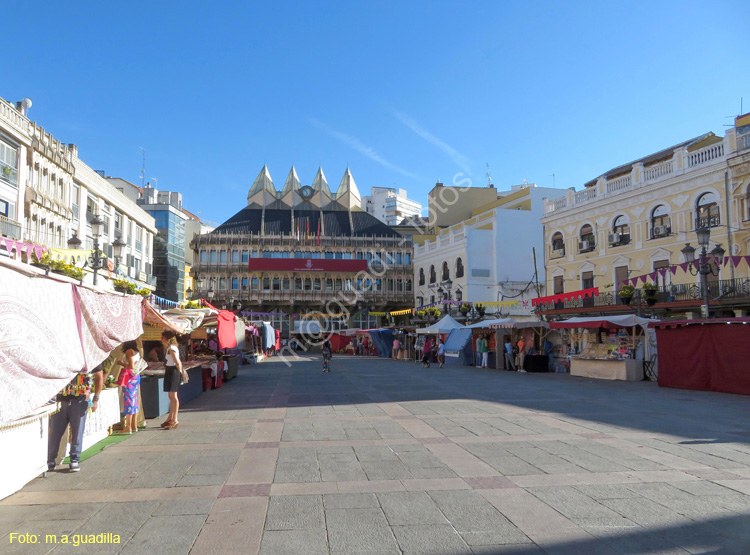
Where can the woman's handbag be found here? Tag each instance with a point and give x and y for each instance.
(184, 375)
(124, 377)
(139, 366)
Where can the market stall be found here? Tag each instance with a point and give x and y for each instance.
(52, 328)
(458, 347)
(704, 355)
(532, 333)
(611, 347)
(484, 329)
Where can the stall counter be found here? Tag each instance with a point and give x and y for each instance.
(607, 369)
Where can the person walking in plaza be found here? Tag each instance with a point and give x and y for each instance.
(508, 349)
(365, 347)
(521, 352)
(396, 347)
(441, 353)
(478, 351)
(74, 406)
(172, 378)
(355, 346)
(426, 353)
(418, 348)
(327, 354)
(130, 387)
(485, 347)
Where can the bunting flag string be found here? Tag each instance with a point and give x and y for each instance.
(20, 247)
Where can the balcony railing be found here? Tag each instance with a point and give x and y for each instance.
(10, 228)
(255, 295)
(718, 290)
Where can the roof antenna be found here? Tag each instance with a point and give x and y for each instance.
(489, 176)
(554, 186)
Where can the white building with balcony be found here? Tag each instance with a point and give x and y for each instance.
(390, 205)
(48, 195)
(488, 257)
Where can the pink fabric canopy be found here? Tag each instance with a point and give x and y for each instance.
(49, 331)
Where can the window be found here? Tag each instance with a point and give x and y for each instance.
(459, 295)
(277, 284)
(621, 274)
(707, 211)
(446, 272)
(661, 225)
(245, 257)
(420, 301)
(621, 231)
(399, 285)
(8, 164)
(235, 283)
(74, 200)
(91, 206)
(389, 285)
(459, 268)
(339, 284)
(407, 258)
(587, 242)
(661, 265)
(308, 284)
(298, 284)
(118, 222)
(138, 236)
(266, 284)
(408, 285)
(317, 284)
(235, 257)
(587, 280)
(558, 245)
(329, 284)
(254, 284)
(285, 283)
(222, 257)
(244, 283)
(378, 285)
(558, 285)
(213, 256)
(222, 283)
(433, 276)
(204, 256)
(421, 276)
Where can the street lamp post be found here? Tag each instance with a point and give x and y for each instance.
(703, 268)
(117, 246)
(96, 260)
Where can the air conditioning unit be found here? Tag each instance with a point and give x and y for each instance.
(614, 238)
(584, 245)
(660, 230)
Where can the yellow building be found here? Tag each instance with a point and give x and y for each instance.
(634, 221)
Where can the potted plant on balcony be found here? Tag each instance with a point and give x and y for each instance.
(626, 293)
(121, 285)
(480, 309)
(464, 309)
(73, 271)
(649, 290)
(8, 171)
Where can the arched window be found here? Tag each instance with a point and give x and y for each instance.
(459, 268)
(558, 245)
(421, 276)
(408, 285)
(620, 231)
(433, 276)
(707, 211)
(446, 272)
(661, 225)
(587, 242)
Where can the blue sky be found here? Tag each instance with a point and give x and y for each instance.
(403, 93)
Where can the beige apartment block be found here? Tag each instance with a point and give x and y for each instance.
(636, 218)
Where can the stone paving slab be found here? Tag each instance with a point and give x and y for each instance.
(383, 456)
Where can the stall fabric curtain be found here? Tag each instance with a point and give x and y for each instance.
(106, 322)
(44, 329)
(339, 341)
(227, 337)
(708, 357)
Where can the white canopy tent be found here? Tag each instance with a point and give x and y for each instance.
(443, 326)
(518, 324)
(488, 324)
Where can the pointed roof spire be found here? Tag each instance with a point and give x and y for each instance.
(262, 182)
(348, 185)
(320, 183)
(292, 182)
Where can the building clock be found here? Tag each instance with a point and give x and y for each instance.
(306, 192)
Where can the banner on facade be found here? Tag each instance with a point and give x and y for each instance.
(306, 265)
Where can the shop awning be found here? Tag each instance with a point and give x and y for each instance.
(608, 322)
(521, 324)
(486, 324)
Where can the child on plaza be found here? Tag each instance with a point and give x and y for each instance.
(130, 387)
(327, 354)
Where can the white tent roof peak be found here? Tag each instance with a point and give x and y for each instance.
(445, 325)
(348, 185)
(292, 182)
(320, 183)
(262, 182)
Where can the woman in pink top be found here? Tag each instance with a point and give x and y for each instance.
(427, 353)
(396, 347)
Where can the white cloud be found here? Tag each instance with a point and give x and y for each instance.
(362, 148)
(456, 156)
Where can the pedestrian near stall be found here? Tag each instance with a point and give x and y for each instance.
(426, 353)
(441, 353)
(478, 351)
(521, 352)
(130, 385)
(172, 378)
(327, 355)
(396, 347)
(485, 352)
(508, 348)
(74, 406)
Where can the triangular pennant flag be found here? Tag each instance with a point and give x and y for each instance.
(663, 272)
(38, 252)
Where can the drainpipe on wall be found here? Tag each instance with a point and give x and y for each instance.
(729, 223)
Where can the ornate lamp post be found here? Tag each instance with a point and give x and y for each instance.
(704, 268)
(117, 246)
(96, 260)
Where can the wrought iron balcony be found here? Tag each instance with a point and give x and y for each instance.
(10, 228)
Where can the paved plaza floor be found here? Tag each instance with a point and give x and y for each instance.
(384, 456)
